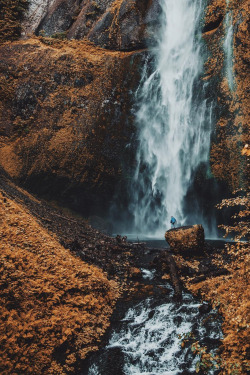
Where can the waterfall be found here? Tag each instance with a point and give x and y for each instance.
(173, 119)
(228, 48)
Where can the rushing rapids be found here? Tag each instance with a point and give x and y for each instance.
(148, 342)
(173, 118)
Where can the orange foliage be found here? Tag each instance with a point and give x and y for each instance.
(227, 160)
(10, 18)
(54, 307)
(231, 293)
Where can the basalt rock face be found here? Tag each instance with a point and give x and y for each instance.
(65, 110)
(118, 25)
(186, 240)
(65, 118)
(226, 34)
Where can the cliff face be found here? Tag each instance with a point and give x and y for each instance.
(65, 117)
(226, 33)
(66, 103)
(119, 24)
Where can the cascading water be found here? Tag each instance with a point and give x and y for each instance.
(228, 48)
(149, 339)
(173, 119)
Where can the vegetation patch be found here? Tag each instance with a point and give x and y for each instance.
(54, 307)
(11, 14)
(230, 293)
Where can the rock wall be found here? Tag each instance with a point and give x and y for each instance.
(226, 33)
(65, 118)
(66, 105)
(119, 25)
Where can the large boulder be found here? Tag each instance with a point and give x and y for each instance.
(186, 239)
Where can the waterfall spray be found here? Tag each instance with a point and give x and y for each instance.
(173, 120)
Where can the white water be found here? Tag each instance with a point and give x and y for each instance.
(228, 48)
(150, 338)
(173, 119)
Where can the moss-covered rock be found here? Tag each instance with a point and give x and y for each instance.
(65, 118)
(186, 240)
(232, 107)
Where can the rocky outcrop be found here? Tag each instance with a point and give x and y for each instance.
(185, 240)
(118, 25)
(65, 118)
(129, 26)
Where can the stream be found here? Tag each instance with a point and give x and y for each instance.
(147, 341)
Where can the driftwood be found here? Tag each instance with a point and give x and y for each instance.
(174, 275)
(167, 259)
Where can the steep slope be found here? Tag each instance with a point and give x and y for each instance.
(54, 307)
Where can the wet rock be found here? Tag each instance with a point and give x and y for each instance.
(110, 362)
(184, 240)
(205, 308)
(151, 314)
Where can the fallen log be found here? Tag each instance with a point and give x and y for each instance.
(174, 276)
(166, 259)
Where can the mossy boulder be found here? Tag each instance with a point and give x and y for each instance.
(186, 239)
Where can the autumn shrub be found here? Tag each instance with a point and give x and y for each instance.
(230, 293)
